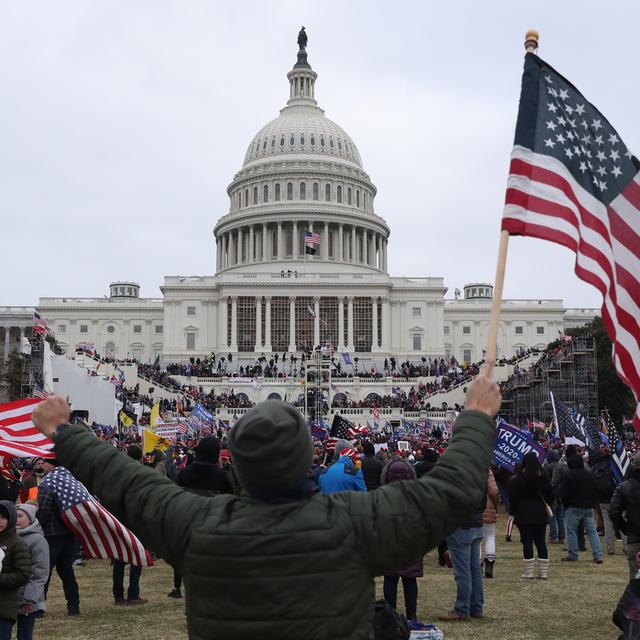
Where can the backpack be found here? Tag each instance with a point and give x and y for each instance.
(388, 624)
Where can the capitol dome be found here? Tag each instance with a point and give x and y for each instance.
(301, 174)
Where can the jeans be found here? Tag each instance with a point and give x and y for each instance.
(531, 534)
(489, 541)
(556, 524)
(609, 529)
(25, 626)
(133, 593)
(6, 627)
(464, 547)
(61, 555)
(574, 516)
(410, 586)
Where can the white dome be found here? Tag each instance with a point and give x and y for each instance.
(302, 130)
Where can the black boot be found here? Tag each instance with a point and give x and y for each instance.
(488, 568)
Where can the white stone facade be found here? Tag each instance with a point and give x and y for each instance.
(301, 172)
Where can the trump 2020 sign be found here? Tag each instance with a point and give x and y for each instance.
(512, 445)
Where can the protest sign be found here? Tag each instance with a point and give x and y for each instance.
(512, 445)
(403, 445)
(167, 429)
(381, 447)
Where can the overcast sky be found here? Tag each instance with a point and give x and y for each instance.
(122, 123)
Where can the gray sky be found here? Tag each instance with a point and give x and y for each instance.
(122, 123)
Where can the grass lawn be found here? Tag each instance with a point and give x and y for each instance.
(576, 602)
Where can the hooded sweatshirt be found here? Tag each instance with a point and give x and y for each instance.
(33, 592)
(16, 566)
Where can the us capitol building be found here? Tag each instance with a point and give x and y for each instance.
(301, 172)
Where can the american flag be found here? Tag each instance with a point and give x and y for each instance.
(103, 536)
(568, 425)
(574, 182)
(19, 438)
(40, 393)
(340, 427)
(620, 459)
(311, 242)
(39, 324)
(355, 431)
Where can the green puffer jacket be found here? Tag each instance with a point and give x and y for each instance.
(286, 570)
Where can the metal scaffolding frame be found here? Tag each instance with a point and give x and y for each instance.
(317, 385)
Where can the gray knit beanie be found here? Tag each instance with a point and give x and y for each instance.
(271, 447)
(29, 509)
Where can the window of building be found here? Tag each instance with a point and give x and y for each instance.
(191, 311)
(446, 330)
(277, 192)
(265, 193)
(303, 191)
(282, 141)
(327, 192)
(137, 328)
(316, 190)
(540, 331)
(84, 328)
(62, 328)
(349, 195)
(274, 243)
(289, 190)
(417, 342)
(313, 141)
(292, 141)
(111, 328)
(362, 324)
(339, 194)
(246, 323)
(288, 241)
(416, 312)
(321, 141)
(191, 341)
(330, 245)
(302, 141)
(358, 198)
(280, 324)
(331, 142)
(329, 321)
(158, 328)
(519, 331)
(246, 197)
(273, 142)
(255, 195)
(466, 355)
(136, 352)
(304, 323)
(466, 330)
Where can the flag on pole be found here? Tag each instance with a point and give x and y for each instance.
(103, 536)
(154, 418)
(620, 460)
(39, 324)
(311, 242)
(340, 427)
(573, 431)
(125, 419)
(574, 182)
(151, 441)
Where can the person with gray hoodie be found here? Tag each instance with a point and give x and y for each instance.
(31, 601)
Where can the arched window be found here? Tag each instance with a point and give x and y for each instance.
(239, 199)
(303, 191)
(255, 195)
(313, 141)
(349, 195)
(339, 145)
(289, 191)
(282, 141)
(364, 200)
(302, 141)
(357, 197)
(273, 142)
(265, 193)
(331, 142)
(292, 141)
(277, 192)
(327, 192)
(339, 194)
(321, 141)
(246, 197)
(315, 191)
(264, 145)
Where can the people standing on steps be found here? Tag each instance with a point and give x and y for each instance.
(489, 519)
(529, 494)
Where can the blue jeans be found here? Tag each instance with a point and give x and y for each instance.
(464, 547)
(6, 627)
(556, 524)
(573, 517)
(26, 625)
(133, 593)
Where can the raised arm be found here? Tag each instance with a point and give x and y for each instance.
(160, 513)
(401, 521)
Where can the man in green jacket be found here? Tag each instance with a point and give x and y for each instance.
(284, 562)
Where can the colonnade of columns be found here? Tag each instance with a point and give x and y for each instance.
(19, 333)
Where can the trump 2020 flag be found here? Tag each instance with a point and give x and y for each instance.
(103, 536)
(574, 182)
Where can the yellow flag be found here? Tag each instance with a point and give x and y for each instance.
(151, 441)
(125, 420)
(155, 415)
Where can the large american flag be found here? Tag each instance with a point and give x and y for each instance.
(311, 239)
(103, 536)
(19, 438)
(574, 182)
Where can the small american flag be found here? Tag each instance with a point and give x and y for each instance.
(39, 324)
(40, 393)
(357, 430)
(103, 535)
(311, 242)
(573, 181)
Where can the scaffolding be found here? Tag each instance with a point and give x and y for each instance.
(31, 375)
(569, 371)
(317, 386)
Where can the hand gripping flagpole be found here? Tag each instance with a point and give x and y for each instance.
(531, 45)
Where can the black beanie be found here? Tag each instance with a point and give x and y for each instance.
(368, 448)
(208, 449)
(271, 447)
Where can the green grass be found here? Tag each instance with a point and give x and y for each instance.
(575, 603)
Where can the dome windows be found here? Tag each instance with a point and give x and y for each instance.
(246, 197)
(327, 192)
(331, 142)
(292, 141)
(316, 195)
(289, 191)
(273, 142)
(265, 193)
(339, 146)
(276, 196)
(264, 145)
(303, 191)
(255, 195)
(282, 141)
(322, 141)
(302, 141)
(313, 141)
(339, 194)
(349, 195)
(357, 197)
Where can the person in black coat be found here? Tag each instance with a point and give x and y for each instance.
(600, 467)
(580, 496)
(529, 494)
(371, 466)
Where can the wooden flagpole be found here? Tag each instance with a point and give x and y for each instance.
(530, 44)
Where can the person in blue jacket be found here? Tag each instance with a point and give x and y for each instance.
(343, 475)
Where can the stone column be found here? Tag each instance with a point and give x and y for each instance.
(386, 326)
(374, 324)
(340, 345)
(296, 248)
(292, 324)
(340, 243)
(234, 324)
(350, 345)
(267, 325)
(264, 242)
(280, 251)
(250, 256)
(240, 243)
(7, 337)
(316, 322)
(354, 255)
(325, 250)
(258, 347)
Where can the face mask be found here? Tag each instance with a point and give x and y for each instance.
(39, 472)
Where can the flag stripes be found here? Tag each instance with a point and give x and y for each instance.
(17, 431)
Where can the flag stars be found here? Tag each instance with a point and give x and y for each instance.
(597, 124)
(560, 138)
(564, 94)
(583, 167)
(586, 139)
(580, 109)
(552, 107)
(616, 172)
(613, 139)
(601, 155)
(602, 186)
(549, 143)
(569, 109)
(602, 171)
(569, 153)
(571, 136)
(548, 79)
(551, 125)
(614, 155)
(552, 92)
(584, 124)
(561, 121)
(598, 140)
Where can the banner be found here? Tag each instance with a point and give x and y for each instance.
(512, 445)
(151, 441)
(167, 429)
